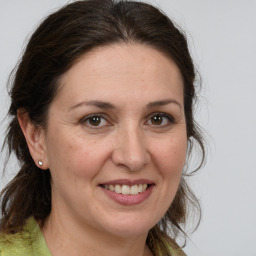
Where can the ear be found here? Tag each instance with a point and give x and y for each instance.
(35, 137)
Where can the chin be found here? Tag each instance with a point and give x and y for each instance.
(130, 227)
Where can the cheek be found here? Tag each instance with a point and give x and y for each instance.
(74, 156)
(73, 166)
(171, 156)
(169, 159)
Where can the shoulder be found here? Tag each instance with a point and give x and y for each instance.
(26, 242)
(15, 244)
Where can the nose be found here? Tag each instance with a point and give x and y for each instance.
(130, 150)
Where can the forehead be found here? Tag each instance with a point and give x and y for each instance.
(122, 70)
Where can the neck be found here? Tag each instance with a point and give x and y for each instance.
(66, 236)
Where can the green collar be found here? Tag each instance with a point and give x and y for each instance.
(29, 242)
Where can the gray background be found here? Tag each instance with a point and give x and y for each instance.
(222, 38)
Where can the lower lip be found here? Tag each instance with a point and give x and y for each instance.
(128, 199)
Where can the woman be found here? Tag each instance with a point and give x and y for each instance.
(102, 123)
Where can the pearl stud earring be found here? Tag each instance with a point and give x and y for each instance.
(40, 163)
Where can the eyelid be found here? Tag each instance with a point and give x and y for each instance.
(170, 118)
(83, 121)
(100, 115)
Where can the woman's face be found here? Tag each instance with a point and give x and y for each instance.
(116, 140)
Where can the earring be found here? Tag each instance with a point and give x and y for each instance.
(40, 163)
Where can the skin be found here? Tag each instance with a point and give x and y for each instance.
(139, 83)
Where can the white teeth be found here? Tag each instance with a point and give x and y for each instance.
(134, 190)
(126, 189)
(118, 189)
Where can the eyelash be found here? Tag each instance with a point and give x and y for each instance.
(87, 119)
(162, 115)
(101, 118)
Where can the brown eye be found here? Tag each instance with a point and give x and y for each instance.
(160, 119)
(157, 120)
(94, 121)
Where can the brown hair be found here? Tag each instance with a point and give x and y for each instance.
(53, 48)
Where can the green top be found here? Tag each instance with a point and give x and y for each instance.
(30, 242)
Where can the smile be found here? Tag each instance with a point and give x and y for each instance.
(127, 192)
(126, 189)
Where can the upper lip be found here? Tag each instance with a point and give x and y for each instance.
(127, 182)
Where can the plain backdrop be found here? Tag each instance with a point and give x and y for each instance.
(222, 40)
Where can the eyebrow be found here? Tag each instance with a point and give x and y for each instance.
(95, 103)
(107, 105)
(163, 103)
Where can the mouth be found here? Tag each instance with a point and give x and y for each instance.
(126, 189)
(127, 192)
